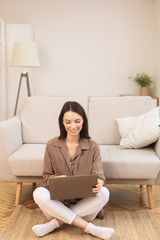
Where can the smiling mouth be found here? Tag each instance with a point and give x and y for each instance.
(73, 131)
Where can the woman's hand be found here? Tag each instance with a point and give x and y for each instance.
(98, 187)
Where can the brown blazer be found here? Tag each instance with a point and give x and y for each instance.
(87, 160)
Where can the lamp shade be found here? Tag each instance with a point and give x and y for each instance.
(25, 54)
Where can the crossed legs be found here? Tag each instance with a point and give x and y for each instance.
(78, 215)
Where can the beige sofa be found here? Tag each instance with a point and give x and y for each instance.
(23, 139)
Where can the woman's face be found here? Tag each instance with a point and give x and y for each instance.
(73, 123)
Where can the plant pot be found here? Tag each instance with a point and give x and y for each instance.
(144, 91)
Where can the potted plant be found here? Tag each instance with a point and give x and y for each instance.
(144, 81)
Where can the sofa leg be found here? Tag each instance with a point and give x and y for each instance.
(150, 197)
(18, 193)
(34, 184)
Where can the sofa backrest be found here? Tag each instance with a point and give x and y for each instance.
(103, 112)
(39, 117)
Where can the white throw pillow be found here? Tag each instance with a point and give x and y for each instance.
(139, 131)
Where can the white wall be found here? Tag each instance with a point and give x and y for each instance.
(88, 47)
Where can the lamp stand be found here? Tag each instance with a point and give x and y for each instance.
(19, 87)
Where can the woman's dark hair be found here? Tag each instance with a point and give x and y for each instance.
(77, 108)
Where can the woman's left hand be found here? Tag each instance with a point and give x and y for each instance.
(98, 187)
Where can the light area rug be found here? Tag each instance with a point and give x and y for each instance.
(138, 225)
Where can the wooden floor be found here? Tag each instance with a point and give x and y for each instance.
(123, 198)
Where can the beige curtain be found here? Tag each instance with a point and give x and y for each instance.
(2, 72)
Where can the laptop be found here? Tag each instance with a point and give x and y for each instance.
(71, 187)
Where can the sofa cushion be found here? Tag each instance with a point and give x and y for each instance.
(121, 163)
(39, 117)
(27, 160)
(118, 163)
(139, 131)
(103, 112)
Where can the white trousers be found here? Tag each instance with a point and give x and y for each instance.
(87, 208)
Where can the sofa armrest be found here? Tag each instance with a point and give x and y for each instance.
(10, 141)
(157, 148)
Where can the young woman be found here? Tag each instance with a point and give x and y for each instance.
(72, 153)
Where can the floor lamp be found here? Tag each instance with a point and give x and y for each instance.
(24, 55)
